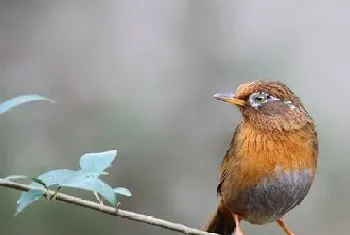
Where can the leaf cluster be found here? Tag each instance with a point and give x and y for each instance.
(87, 177)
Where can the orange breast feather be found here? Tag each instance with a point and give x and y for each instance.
(254, 156)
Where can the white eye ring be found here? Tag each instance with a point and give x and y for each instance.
(259, 98)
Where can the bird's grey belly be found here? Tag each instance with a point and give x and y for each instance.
(270, 200)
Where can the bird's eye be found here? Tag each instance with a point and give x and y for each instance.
(260, 98)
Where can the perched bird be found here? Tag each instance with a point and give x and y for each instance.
(272, 159)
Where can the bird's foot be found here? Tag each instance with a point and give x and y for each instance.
(238, 230)
(281, 223)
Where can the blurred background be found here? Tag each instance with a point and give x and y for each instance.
(138, 76)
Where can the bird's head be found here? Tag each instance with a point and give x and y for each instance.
(268, 106)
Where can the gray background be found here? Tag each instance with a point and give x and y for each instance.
(138, 76)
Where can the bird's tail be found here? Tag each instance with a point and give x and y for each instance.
(222, 222)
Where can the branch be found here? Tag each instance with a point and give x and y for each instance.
(110, 210)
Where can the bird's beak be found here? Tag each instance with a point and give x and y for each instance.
(230, 98)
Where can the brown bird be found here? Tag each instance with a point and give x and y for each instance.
(271, 162)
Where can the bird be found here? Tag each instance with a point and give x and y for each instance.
(271, 161)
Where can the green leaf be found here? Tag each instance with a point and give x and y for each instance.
(11, 103)
(37, 182)
(17, 177)
(55, 177)
(92, 166)
(123, 191)
(83, 181)
(97, 162)
(27, 198)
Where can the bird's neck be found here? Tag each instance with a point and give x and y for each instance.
(264, 123)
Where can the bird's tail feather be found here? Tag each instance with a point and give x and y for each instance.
(222, 222)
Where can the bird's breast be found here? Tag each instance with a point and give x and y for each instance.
(268, 174)
(254, 155)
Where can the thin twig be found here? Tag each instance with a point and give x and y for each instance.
(110, 210)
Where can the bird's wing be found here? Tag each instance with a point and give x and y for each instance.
(224, 163)
(315, 146)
